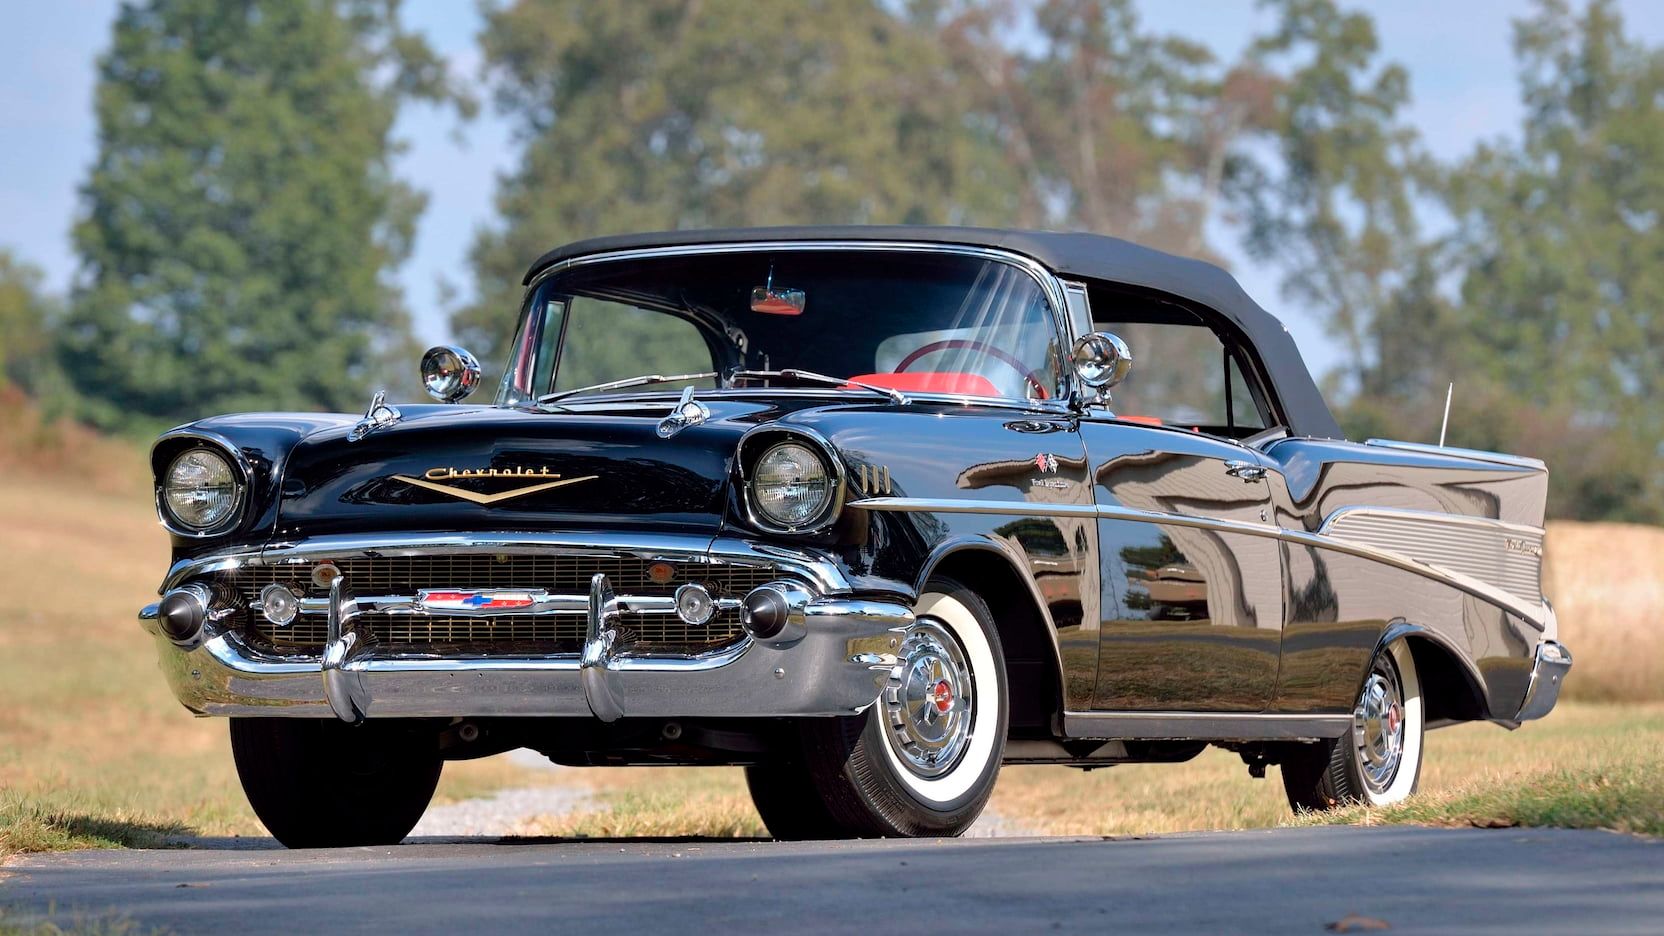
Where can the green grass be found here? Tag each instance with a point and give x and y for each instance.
(1622, 797)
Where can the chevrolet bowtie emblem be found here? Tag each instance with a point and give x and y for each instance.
(431, 478)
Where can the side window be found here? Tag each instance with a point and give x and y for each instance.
(611, 341)
(1184, 376)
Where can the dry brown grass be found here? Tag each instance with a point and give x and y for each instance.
(67, 451)
(1585, 765)
(94, 750)
(1607, 584)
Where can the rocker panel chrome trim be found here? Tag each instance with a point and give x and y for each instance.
(1201, 726)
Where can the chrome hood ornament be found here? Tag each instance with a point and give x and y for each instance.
(688, 412)
(379, 415)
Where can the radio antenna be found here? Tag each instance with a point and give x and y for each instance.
(1448, 393)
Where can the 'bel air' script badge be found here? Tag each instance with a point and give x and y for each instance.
(543, 480)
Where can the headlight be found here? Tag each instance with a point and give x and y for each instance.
(791, 485)
(200, 490)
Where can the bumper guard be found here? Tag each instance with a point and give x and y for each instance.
(836, 665)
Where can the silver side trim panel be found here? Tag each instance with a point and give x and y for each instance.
(1530, 607)
(1507, 556)
(1204, 726)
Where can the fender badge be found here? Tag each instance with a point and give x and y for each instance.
(430, 481)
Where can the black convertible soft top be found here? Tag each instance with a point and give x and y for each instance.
(1091, 256)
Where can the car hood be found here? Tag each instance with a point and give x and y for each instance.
(453, 468)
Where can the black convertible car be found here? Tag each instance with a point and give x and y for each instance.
(854, 508)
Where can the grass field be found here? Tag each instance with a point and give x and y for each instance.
(1587, 765)
(95, 752)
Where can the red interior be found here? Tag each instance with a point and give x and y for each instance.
(1145, 420)
(932, 382)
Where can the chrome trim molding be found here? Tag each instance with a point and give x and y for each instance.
(234, 456)
(1506, 556)
(816, 441)
(1199, 726)
(819, 571)
(1536, 613)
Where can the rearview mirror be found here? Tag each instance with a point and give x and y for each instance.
(771, 301)
(1101, 361)
(449, 374)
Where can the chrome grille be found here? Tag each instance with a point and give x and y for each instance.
(502, 634)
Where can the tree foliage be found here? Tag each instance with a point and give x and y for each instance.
(242, 215)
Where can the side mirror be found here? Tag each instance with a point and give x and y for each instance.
(449, 374)
(1101, 361)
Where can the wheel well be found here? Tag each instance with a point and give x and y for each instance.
(1448, 690)
(1033, 688)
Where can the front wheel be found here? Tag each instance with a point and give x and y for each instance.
(1378, 761)
(319, 783)
(922, 761)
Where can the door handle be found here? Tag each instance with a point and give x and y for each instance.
(1247, 471)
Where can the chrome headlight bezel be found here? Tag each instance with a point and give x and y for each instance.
(238, 472)
(757, 445)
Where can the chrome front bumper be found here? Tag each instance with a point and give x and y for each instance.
(833, 660)
(1548, 674)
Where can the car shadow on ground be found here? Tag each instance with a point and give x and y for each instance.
(266, 843)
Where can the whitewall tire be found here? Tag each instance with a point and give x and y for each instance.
(922, 761)
(1378, 761)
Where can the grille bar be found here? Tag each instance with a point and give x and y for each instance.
(505, 634)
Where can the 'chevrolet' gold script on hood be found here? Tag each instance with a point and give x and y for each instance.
(430, 478)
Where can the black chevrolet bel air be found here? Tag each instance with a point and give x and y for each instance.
(869, 511)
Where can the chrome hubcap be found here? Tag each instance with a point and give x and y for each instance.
(1378, 726)
(929, 705)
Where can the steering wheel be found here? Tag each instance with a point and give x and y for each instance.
(1032, 377)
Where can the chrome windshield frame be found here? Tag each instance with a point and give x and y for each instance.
(1049, 284)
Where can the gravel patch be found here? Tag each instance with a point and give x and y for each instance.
(503, 812)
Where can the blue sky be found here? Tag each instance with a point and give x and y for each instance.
(1458, 54)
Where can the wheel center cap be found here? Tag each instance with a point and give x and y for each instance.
(941, 695)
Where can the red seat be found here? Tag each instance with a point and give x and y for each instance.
(933, 382)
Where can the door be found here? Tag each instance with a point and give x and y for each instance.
(1191, 613)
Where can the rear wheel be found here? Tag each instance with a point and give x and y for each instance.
(1378, 761)
(923, 760)
(319, 783)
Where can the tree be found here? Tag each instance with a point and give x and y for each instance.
(27, 314)
(242, 216)
(663, 114)
(1559, 244)
(1336, 207)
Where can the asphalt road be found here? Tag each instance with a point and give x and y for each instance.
(1283, 881)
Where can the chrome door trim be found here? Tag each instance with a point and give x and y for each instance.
(1201, 726)
(1538, 615)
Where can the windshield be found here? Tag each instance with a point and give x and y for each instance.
(916, 322)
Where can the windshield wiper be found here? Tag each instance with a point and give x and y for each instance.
(641, 381)
(792, 373)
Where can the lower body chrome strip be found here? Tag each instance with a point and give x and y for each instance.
(1204, 726)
